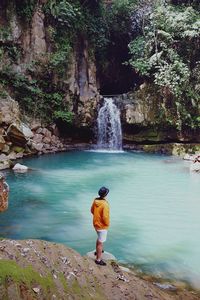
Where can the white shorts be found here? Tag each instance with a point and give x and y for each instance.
(102, 235)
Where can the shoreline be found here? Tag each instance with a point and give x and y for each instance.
(174, 149)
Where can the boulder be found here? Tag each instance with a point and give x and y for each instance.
(189, 157)
(46, 132)
(2, 143)
(6, 149)
(54, 130)
(3, 157)
(39, 130)
(12, 155)
(105, 255)
(5, 164)
(16, 135)
(54, 140)
(37, 138)
(46, 140)
(35, 125)
(26, 131)
(195, 167)
(37, 146)
(19, 155)
(20, 168)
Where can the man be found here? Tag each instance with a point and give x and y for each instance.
(101, 222)
(4, 190)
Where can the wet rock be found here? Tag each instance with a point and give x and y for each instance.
(165, 286)
(20, 168)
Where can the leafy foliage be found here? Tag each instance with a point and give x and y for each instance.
(64, 13)
(25, 8)
(164, 44)
(64, 116)
(167, 53)
(161, 53)
(38, 97)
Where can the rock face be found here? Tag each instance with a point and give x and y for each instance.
(52, 271)
(18, 140)
(38, 43)
(83, 83)
(32, 55)
(9, 111)
(78, 81)
(148, 118)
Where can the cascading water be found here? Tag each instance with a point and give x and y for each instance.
(109, 126)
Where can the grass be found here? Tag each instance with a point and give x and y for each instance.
(10, 270)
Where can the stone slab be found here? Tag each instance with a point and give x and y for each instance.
(105, 255)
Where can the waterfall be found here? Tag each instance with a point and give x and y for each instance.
(109, 126)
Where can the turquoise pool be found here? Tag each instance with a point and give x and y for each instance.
(154, 200)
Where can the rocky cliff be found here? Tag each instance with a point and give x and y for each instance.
(47, 79)
(56, 57)
(151, 118)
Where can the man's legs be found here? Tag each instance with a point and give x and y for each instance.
(102, 234)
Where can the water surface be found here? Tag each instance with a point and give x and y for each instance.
(154, 200)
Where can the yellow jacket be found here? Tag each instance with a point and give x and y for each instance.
(101, 214)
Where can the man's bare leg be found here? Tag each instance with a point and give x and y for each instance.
(99, 248)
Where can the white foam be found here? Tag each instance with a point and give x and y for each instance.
(105, 151)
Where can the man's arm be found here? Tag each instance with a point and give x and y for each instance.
(106, 215)
(92, 208)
